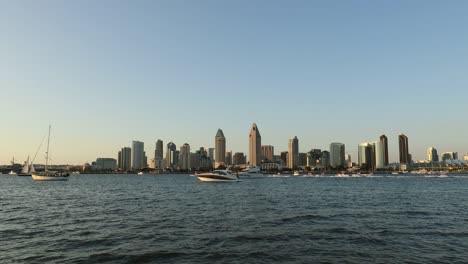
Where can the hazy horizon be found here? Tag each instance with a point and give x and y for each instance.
(105, 73)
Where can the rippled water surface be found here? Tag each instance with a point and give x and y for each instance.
(176, 219)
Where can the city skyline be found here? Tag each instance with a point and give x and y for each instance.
(322, 71)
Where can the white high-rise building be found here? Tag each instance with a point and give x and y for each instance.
(220, 149)
(432, 155)
(337, 155)
(293, 152)
(379, 154)
(138, 155)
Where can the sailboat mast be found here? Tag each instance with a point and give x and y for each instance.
(47, 153)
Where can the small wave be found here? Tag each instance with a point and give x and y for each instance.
(301, 218)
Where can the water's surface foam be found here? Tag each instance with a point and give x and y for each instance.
(176, 219)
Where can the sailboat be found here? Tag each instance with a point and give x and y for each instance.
(47, 175)
(28, 169)
(12, 172)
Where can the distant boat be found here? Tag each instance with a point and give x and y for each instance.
(251, 172)
(12, 164)
(218, 176)
(49, 175)
(28, 169)
(296, 173)
(140, 173)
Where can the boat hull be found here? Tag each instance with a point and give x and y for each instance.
(23, 174)
(49, 178)
(209, 179)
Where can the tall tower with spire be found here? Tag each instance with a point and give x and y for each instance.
(255, 146)
(220, 148)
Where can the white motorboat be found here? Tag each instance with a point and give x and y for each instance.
(251, 172)
(140, 173)
(49, 175)
(296, 173)
(12, 173)
(218, 176)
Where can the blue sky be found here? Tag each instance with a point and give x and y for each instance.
(104, 73)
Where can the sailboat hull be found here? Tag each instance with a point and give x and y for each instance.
(49, 178)
(23, 174)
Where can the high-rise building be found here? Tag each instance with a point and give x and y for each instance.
(255, 143)
(293, 152)
(313, 157)
(465, 157)
(301, 159)
(378, 155)
(432, 155)
(184, 157)
(347, 158)
(450, 156)
(384, 141)
(210, 155)
(171, 155)
(220, 148)
(267, 153)
(404, 150)
(337, 155)
(158, 155)
(238, 159)
(144, 163)
(371, 155)
(284, 159)
(138, 155)
(365, 156)
(229, 158)
(325, 159)
(125, 159)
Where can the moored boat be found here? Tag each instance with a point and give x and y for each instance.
(251, 172)
(47, 175)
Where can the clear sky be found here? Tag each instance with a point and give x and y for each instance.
(104, 73)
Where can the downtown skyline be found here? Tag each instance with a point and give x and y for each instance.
(149, 149)
(322, 71)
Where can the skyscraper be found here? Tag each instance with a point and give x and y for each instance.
(378, 155)
(365, 156)
(432, 155)
(255, 143)
(268, 153)
(125, 159)
(220, 149)
(404, 151)
(313, 157)
(228, 157)
(325, 159)
(337, 155)
(138, 155)
(158, 154)
(171, 155)
(293, 152)
(384, 141)
(284, 159)
(210, 154)
(184, 157)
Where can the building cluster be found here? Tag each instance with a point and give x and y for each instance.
(372, 156)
